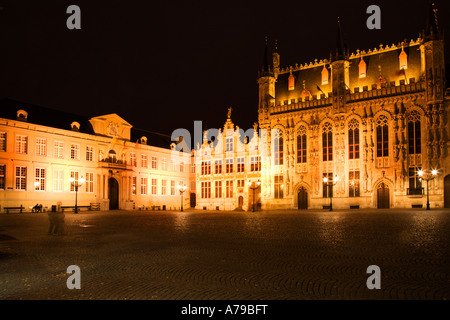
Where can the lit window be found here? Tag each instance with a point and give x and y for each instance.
(143, 186)
(218, 187)
(414, 133)
(353, 139)
(240, 164)
(229, 166)
(133, 185)
(74, 176)
(362, 68)
(327, 142)
(2, 141)
(291, 82)
(40, 179)
(21, 144)
(21, 178)
(353, 188)
(255, 163)
(163, 187)
(415, 182)
(154, 162)
(2, 176)
(154, 186)
(144, 161)
(382, 137)
(278, 148)
(89, 153)
(278, 184)
(301, 145)
(217, 167)
(325, 75)
(75, 151)
(229, 189)
(58, 149)
(403, 60)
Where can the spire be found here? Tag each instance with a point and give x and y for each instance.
(266, 69)
(341, 48)
(432, 31)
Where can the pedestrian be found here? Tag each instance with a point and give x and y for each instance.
(36, 207)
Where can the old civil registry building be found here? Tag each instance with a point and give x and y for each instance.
(356, 129)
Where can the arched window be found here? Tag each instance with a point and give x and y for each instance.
(278, 148)
(327, 142)
(382, 136)
(403, 58)
(362, 68)
(301, 145)
(324, 75)
(291, 81)
(353, 139)
(414, 133)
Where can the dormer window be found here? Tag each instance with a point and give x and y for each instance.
(403, 60)
(75, 126)
(291, 82)
(325, 75)
(362, 69)
(22, 115)
(143, 140)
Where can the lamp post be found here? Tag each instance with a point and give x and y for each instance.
(330, 183)
(254, 187)
(76, 184)
(182, 189)
(427, 176)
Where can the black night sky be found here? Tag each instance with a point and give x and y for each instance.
(163, 64)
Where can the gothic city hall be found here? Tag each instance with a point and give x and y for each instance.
(352, 130)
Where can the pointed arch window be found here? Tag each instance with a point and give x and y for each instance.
(403, 60)
(301, 145)
(382, 136)
(327, 142)
(353, 139)
(325, 75)
(362, 68)
(278, 148)
(291, 82)
(414, 133)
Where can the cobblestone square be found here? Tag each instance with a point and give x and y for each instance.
(216, 255)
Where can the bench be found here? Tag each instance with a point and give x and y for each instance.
(73, 207)
(7, 209)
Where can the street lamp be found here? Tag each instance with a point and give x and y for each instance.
(330, 183)
(427, 176)
(76, 184)
(182, 189)
(254, 187)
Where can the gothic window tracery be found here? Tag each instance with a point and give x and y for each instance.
(327, 142)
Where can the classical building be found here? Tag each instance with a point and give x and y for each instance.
(358, 130)
(45, 154)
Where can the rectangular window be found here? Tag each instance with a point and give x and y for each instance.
(2, 176)
(328, 186)
(415, 182)
(58, 149)
(21, 178)
(193, 168)
(154, 186)
(240, 164)
(89, 153)
(218, 166)
(39, 184)
(206, 167)
(229, 189)
(133, 159)
(255, 163)
(2, 141)
(154, 163)
(164, 164)
(144, 185)
(229, 166)
(58, 180)
(301, 148)
(133, 185)
(75, 176)
(75, 151)
(382, 141)
(22, 144)
(229, 144)
(415, 140)
(278, 151)
(172, 187)
(278, 184)
(41, 147)
(327, 141)
(181, 166)
(353, 144)
(353, 179)
(218, 187)
(206, 190)
(144, 161)
(163, 187)
(89, 182)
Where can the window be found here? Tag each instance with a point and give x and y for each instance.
(218, 167)
(229, 189)
(172, 187)
(353, 139)
(240, 164)
(89, 153)
(2, 141)
(414, 133)
(144, 181)
(144, 161)
(218, 189)
(325, 75)
(415, 182)
(58, 149)
(75, 151)
(229, 166)
(328, 186)
(39, 179)
(206, 167)
(382, 137)
(163, 187)
(240, 183)
(75, 176)
(278, 179)
(229, 144)
(362, 69)
(291, 82)
(154, 162)
(278, 148)
(353, 187)
(133, 160)
(21, 144)
(181, 166)
(327, 142)
(193, 168)
(89, 182)
(21, 178)
(164, 164)
(41, 147)
(301, 145)
(2, 176)
(255, 163)
(133, 185)
(206, 190)
(58, 180)
(154, 186)
(403, 58)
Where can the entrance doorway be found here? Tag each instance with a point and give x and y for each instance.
(240, 202)
(447, 191)
(302, 198)
(383, 196)
(113, 194)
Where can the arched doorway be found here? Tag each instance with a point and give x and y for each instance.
(447, 191)
(193, 200)
(302, 198)
(383, 196)
(240, 202)
(113, 194)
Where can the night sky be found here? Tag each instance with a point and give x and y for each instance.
(161, 65)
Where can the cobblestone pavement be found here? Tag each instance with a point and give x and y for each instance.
(200, 255)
